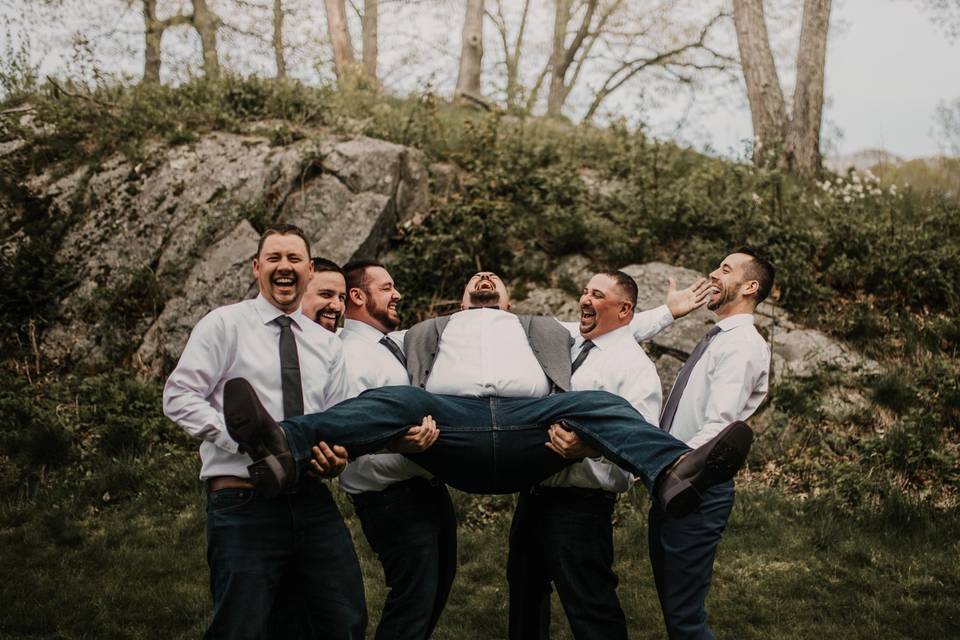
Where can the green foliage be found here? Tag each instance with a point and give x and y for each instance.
(128, 297)
(893, 390)
(33, 282)
(18, 76)
(926, 176)
(83, 437)
(89, 126)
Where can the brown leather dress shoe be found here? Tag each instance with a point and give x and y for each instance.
(680, 488)
(273, 470)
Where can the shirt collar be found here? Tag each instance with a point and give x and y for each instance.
(363, 330)
(737, 320)
(268, 313)
(608, 339)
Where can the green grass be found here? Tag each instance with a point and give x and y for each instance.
(786, 569)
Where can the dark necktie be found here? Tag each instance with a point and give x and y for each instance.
(670, 409)
(290, 382)
(584, 349)
(394, 349)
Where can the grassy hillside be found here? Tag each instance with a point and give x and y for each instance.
(846, 523)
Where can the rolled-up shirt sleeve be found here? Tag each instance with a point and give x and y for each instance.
(649, 323)
(188, 391)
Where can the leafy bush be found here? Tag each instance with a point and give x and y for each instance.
(108, 427)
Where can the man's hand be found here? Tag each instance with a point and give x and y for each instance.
(568, 445)
(686, 300)
(326, 462)
(417, 439)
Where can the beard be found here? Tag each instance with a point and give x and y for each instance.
(484, 298)
(726, 295)
(322, 321)
(382, 314)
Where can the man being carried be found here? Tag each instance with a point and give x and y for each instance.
(490, 443)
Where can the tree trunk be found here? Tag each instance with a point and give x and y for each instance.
(343, 61)
(512, 55)
(760, 74)
(471, 53)
(803, 132)
(207, 23)
(563, 56)
(370, 28)
(152, 35)
(556, 97)
(278, 39)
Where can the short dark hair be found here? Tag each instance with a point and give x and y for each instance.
(282, 228)
(355, 273)
(626, 283)
(323, 264)
(759, 269)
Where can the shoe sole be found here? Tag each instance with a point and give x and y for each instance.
(727, 457)
(724, 460)
(245, 425)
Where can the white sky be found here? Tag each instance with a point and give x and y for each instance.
(888, 65)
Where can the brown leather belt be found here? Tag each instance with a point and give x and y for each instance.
(216, 483)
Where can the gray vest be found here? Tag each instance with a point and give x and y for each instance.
(548, 339)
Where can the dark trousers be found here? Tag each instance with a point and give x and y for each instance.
(489, 445)
(681, 553)
(252, 541)
(564, 536)
(413, 530)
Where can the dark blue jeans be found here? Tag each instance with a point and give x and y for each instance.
(681, 553)
(413, 530)
(489, 445)
(564, 536)
(252, 540)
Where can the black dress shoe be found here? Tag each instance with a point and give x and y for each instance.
(680, 488)
(273, 470)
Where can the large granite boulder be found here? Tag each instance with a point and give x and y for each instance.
(184, 219)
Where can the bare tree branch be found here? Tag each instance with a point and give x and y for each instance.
(630, 68)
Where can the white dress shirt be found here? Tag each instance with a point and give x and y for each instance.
(619, 365)
(485, 352)
(728, 383)
(371, 365)
(242, 341)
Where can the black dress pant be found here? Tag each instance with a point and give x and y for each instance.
(564, 536)
(413, 530)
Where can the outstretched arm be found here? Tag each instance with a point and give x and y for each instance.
(682, 302)
(679, 303)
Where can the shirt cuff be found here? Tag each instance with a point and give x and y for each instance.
(664, 317)
(225, 442)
